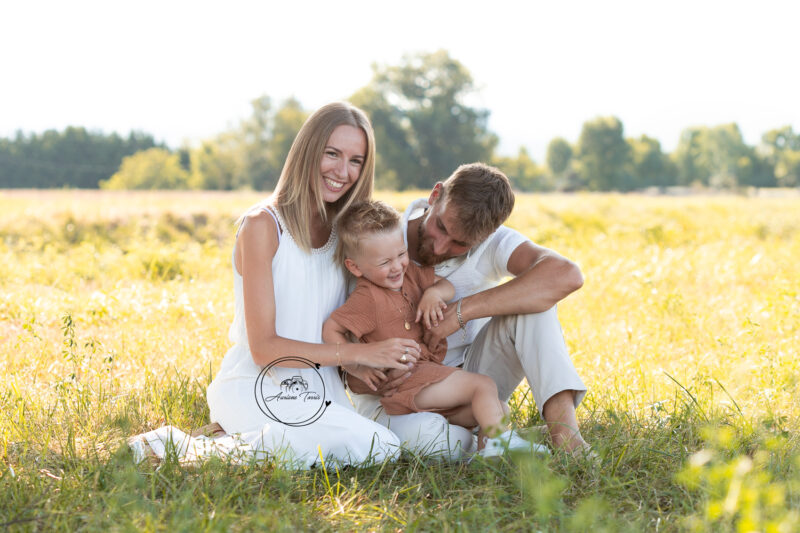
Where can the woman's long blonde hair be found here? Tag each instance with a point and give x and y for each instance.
(298, 189)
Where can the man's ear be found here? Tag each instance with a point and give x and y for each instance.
(350, 265)
(435, 193)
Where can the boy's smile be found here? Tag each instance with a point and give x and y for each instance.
(382, 258)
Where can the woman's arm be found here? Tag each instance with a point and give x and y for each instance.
(335, 333)
(255, 248)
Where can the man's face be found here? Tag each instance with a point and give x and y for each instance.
(440, 235)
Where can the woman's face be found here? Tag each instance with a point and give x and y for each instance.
(342, 160)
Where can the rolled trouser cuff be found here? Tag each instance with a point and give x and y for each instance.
(511, 348)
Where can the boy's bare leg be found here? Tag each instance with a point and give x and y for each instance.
(470, 390)
(464, 418)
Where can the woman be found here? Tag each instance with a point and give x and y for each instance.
(278, 389)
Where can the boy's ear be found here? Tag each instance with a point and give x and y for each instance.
(350, 265)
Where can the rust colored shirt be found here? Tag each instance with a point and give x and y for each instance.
(374, 313)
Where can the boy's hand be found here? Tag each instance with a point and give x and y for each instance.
(373, 377)
(430, 309)
(383, 383)
(394, 378)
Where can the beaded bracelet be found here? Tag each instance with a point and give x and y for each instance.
(461, 319)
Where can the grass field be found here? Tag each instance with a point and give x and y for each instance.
(114, 310)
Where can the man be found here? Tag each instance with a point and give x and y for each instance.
(508, 331)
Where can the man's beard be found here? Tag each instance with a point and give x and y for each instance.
(425, 254)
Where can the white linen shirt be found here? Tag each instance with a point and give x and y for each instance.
(484, 266)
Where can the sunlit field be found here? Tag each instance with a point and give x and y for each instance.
(114, 312)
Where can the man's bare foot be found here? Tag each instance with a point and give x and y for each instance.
(559, 413)
(566, 438)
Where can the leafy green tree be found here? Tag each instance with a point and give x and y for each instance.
(244, 151)
(562, 165)
(72, 158)
(217, 164)
(524, 173)
(286, 123)
(252, 154)
(603, 155)
(782, 150)
(718, 157)
(396, 161)
(649, 165)
(787, 171)
(559, 155)
(154, 168)
(419, 106)
(687, 158)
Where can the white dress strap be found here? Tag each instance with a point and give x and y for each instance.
(278, 223)
(277, 218)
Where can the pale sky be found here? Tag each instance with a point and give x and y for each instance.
(187, 70)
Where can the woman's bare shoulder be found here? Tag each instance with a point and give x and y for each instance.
(257, 239)
(259, 223)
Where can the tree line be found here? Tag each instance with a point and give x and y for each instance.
(72, 158)
(423, 131)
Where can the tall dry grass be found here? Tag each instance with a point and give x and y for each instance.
(114, 309)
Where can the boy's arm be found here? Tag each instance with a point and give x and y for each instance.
(433, 302)
(443, 288)
(333, 332)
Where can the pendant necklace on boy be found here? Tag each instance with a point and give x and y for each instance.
(406, 322)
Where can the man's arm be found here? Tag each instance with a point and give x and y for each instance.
(542, 278)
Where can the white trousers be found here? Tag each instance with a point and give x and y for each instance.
(507, 349)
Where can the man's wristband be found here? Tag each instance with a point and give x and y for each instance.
(461, 319)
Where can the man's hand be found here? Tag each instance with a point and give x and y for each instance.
(447, 326)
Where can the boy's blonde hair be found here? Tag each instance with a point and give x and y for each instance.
(360, 219)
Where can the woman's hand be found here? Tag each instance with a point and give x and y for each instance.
(391, 353)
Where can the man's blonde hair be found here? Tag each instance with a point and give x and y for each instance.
(298, 191)
(362, 219)
(481, 197)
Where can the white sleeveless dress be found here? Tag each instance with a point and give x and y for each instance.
(264, 413)
(308, 287)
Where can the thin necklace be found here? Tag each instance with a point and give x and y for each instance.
(406, 322)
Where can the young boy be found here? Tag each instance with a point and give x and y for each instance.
(392, 296)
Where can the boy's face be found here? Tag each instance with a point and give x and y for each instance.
(382, 258)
